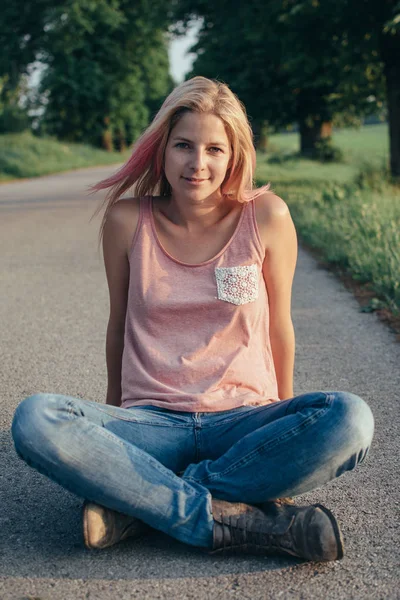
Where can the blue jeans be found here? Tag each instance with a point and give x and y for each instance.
(164, 466)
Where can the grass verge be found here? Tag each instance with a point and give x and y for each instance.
(25, 155)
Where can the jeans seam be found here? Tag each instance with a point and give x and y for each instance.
(249, 457)
(197, 443)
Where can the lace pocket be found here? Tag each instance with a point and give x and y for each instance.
(238, 285)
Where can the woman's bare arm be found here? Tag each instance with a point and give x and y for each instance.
(278, 271)
(118, 233)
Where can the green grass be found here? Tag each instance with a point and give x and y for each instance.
(24, 155)
(349, 212)
(371, 142)
(363, 148)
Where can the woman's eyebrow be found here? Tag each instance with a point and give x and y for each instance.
(191, 141)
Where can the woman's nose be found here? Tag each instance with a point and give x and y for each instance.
(198, 160)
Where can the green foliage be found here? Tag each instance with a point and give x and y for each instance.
(13, 119)
(372, 176)
(355, 230)
(107, 68)
(371, 34)
(21, 35)
(293, 48)
(326, 151)
(26, 155)
(296, 60)
(392, 26)
(106, 64)
(245, 48)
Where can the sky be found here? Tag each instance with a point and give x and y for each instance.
(180, 60)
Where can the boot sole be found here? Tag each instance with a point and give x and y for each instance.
(336, 530)
(85, 524)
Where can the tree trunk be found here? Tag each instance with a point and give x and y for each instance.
(121, 141)
(392, 72)
(107, 138)
(312, 131)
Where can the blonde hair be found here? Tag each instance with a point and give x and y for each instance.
(144, 169)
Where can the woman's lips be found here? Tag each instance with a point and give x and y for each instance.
(194, 181)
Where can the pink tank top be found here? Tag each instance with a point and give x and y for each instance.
(197, 336)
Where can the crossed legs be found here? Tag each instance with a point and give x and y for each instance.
(128, 460)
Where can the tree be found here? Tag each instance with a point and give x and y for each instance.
(330, 75)
(106, 65)
(390, 51)
(242, 48)
(21, 34)
(368, 61)
(288, 61)
(97, 86)
(377, 26)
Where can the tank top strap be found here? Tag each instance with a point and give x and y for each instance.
(248, 233)
(143, 223)
(145, 219)
(145, 208)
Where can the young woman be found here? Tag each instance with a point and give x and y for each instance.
(200, 436)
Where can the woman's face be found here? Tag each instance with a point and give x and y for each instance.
(197, 156)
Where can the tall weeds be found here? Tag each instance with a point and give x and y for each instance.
(356, 228)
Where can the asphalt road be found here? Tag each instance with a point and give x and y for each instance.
(53, 316)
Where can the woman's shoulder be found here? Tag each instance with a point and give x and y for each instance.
(123, 218)
(124, 207)
(269, 205)
(271, 213)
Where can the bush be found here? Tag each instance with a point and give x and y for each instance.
(325, 151)
(278, 157)
(372, 176)
(356, 230)
(13, 119)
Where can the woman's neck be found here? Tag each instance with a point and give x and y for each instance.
(196, 216)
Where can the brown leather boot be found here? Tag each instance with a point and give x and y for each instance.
(276, 527)
(103, 527)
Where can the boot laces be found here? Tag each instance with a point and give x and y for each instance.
(267, 541)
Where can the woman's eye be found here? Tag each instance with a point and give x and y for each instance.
(185, 146)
